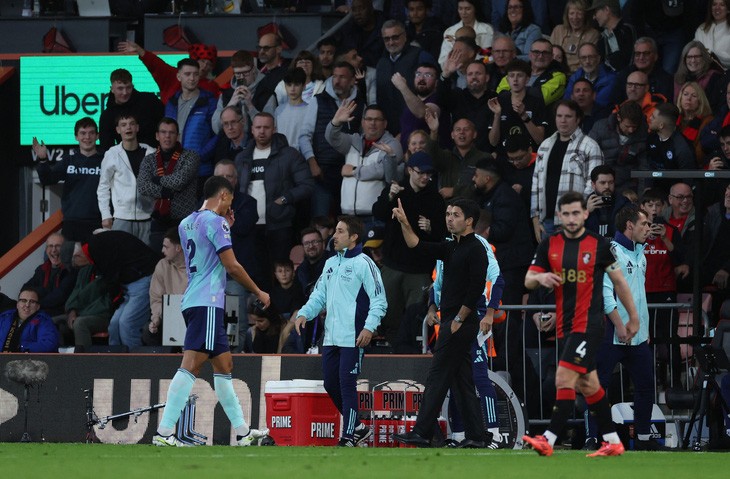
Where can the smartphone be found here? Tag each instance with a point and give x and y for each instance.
(607, 200)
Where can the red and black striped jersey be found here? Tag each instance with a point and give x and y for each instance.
(580, 263)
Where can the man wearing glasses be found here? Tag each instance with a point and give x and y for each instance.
(399, 57)
(645, 61)
(407, 274)
(27, 329)
(371, 159)
(273, 67)
(595, 71)
(244, 93)
(681, 215)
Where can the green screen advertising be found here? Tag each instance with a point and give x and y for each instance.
(57, 91)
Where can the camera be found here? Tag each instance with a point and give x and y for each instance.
(607, 200)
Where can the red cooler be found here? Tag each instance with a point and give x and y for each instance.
(300, 413)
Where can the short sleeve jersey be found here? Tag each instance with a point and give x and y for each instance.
(580, 263)
(203, 236)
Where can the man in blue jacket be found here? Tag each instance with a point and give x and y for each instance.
(27, 329)
(193, 109)
(351, 290)
(628, 246)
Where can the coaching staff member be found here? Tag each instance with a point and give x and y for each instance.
(351, 290)
(573, 261)
(465, 267)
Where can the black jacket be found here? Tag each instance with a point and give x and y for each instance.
(287, 174)
(510, 231)
(428, 203)
(148, 110)
(607, 217)
(121, 258)
(660, 82)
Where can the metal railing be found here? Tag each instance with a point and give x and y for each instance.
(546, 355)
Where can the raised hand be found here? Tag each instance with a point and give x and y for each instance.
(344, 113)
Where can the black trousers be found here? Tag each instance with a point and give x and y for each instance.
(451, 367)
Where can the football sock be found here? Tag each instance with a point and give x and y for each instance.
(177, 395)
(229, 400)
(644, 437)
(458, 436)
(564, 403)
(600, 409)
(496, 436)
(551, 437)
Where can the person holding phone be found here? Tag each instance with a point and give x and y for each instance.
(604, 203)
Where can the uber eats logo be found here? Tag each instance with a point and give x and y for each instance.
(57, 91)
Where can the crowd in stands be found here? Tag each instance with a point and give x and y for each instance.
(421, 104)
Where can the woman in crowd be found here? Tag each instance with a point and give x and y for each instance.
(694, 114)
(714, 33)
(518, 23)
(471, 15)
(696, 66)
(576, 29)
(308, 62)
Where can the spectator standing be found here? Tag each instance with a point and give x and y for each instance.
(166, 75)
(326, 49)
(400, 57)
(290, 115)
(169, 177)
(564, 162)
(193, 109)
(146, 107)
(117, 187)
(371, 159)
(271, 64)
(325, 163)
(603, 204)
(546, 80)
(695, 114)
(79, 172)
(667, 149)
(244, 93)
(278, 178)
(406, 274)
(681, 214)
(585, 96)
(313, 78)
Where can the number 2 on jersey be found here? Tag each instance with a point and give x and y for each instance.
(191, 254)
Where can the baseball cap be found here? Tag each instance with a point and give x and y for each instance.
(614, 4)
(374, 237)
(421, 160)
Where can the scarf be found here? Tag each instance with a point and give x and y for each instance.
(162, 205)
(692, 129)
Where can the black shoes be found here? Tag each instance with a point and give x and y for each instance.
(412, 439)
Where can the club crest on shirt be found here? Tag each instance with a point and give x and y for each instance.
(225, 227)
(586, 257)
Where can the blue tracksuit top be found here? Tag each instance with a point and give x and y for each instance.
(630, 256)
(351, 289)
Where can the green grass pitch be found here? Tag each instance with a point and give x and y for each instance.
(141, 461)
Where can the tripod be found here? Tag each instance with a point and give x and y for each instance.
(706, 358)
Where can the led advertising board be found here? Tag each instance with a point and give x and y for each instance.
(57, 91)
